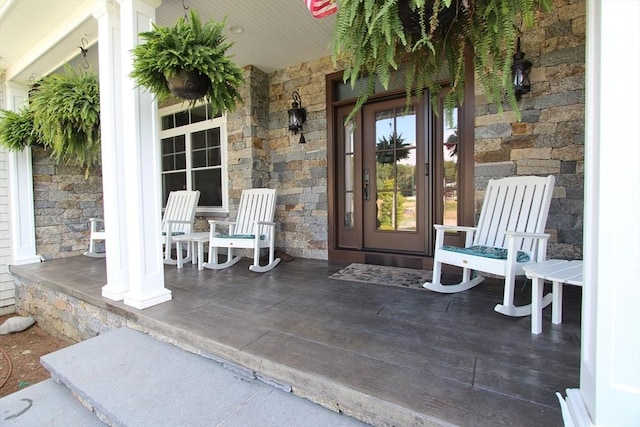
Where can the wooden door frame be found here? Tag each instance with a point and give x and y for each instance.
(466, 171)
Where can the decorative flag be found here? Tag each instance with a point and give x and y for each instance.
(321, 8)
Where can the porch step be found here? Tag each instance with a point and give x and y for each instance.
(45, 404)
(131, 379)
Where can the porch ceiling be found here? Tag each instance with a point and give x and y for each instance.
(39, 36)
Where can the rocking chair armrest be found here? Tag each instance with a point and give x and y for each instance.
(454, 228)
(527, 235)
(440, 229)
(215, 222)
(540, 253)
(220, 222)
(270, 223)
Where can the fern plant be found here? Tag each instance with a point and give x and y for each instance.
(375, 38)
(17, 130)
(188, 46)
(63, 115)
(66, 115)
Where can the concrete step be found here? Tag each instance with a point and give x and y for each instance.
(131, 379)
(45, 404)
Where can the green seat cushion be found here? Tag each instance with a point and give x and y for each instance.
(487, 252)
(240, 236)
(173, 233)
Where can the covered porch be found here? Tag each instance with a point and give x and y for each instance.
(382, 354)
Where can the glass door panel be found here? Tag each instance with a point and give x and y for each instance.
(394, 206)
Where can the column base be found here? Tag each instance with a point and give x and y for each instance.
(145, 301)
(114, 292)
(32, 259)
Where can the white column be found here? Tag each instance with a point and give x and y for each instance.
(609, 393)
(23, 228)
(113, 151)
(142, 167)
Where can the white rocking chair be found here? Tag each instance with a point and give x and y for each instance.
(510, 234)
(178, 219)
(97, 233)
(254, 228)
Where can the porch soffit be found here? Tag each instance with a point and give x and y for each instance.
(39, 36)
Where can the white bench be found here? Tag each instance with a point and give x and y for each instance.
(193, 239)
(558, 272)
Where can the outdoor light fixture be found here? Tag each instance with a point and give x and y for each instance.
(297, 116)
(520, 73)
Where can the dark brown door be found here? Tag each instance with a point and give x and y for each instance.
(383, 178)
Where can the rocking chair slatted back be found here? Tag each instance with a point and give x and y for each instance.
(519, 204)
(257, 204)
(181, 206)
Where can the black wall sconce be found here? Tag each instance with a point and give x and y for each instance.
(520, 73)
(297, 116)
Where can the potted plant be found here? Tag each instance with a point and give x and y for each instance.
(16, 129)
(66, 116)
(63, 115)
(429, 37)
(188, 60)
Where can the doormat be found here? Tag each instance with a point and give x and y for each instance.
(383, 275)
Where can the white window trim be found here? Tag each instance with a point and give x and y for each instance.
(187, 130)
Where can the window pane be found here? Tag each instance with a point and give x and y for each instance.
(168, 163)
(396, 170)
(181, 161)
(167, 122)
(214, 158)
(198, 140)
(167, 145)
(349, 178)
(172, 182)
(209, 182)
(199, 114)
(199, 158)
(180, 144)
(182, 118)
(214, 137)
(450, 158)
(349, 208)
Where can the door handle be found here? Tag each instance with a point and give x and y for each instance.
(365, 184)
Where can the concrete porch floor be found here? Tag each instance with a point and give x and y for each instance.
(382, 354)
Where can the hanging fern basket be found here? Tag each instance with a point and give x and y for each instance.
(189, 85)
(189, 60)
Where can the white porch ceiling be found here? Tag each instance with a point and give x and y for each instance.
(39, 36)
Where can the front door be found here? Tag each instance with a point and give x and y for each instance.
(383, 177)
(394, 205)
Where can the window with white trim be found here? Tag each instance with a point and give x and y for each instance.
(194, 154)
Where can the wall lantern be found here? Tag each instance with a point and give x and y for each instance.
(520, 73)
(297, 116)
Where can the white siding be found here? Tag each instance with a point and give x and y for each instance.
(7, 290)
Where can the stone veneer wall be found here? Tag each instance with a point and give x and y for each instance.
(299, 171)
(63, 315)
(64, 200)
(248, 138)
(550, 137)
